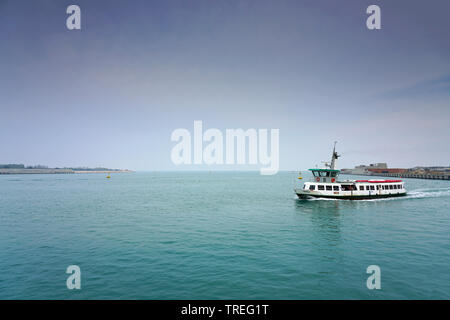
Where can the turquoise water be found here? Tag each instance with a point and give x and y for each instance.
(217, 236)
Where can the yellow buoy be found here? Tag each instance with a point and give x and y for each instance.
(108, 176)
(300, 177)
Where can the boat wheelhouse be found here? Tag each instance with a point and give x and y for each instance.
(325, 184)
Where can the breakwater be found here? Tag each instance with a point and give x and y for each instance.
(433, 176)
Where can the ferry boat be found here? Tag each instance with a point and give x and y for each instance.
(325, 184)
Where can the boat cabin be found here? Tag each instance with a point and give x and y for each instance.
(324, 175)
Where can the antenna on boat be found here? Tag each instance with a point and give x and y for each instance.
(334, 157)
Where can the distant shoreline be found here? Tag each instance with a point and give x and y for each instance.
(103, 171)
(58, 171)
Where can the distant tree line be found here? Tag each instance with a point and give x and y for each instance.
(21, 166)
(91, 169)
(12, 166)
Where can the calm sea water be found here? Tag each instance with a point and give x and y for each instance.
(217, 236)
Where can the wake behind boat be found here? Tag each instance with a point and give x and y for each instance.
(325, 184)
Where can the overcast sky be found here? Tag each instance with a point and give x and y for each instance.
(111, 93)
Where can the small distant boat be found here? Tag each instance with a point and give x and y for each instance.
(324, 184)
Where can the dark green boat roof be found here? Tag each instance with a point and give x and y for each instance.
(326, 170)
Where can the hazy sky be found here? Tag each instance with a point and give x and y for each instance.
(111, 93)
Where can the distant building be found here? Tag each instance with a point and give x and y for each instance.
(381, 169)
(386, 170)
(364, 170)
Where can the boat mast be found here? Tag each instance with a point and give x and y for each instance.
(334, 157)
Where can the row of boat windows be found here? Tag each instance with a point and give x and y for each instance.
(352, 187)
(321, 187)
(390, 186)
